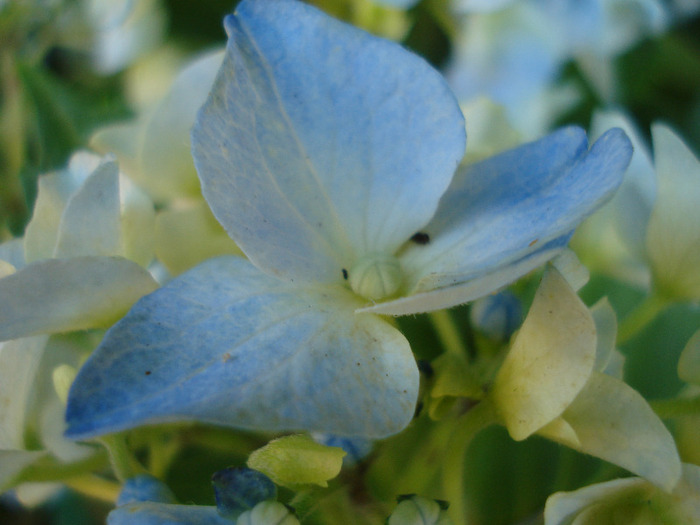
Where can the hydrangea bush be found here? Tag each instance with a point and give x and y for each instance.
(329, 273)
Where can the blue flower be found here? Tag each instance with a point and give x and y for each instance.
(328, 155)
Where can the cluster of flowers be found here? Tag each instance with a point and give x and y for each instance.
(235, 256)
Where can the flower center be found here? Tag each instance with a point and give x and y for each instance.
(376, 275)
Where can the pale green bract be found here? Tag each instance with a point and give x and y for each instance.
(551, 383)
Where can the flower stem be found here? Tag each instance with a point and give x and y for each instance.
(468, 426)
(94, 487)
(123, 463)
(448, 333)
(643, 314)
(671, 408)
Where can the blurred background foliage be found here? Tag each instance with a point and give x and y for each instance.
(53, 97)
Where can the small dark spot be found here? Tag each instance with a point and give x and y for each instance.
(533, 242)
(345, 274)
(421, 238)
(358, 364)
(148, 372)
(405, 391)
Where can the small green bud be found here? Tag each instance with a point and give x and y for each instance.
(417, 510)
(376, 276)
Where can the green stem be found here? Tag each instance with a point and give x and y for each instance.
(49, 469)
(474, 421)
(94, 487)
(640, 317)
(448, 333)
(678, 407)
(123, 463)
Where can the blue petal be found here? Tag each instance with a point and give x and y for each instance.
(320, 142)
(227, 344)
(151, 513)
(240, 489)
(145, 488)
(504, 216)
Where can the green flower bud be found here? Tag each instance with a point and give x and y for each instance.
(417, 510)
(376, 276)
(268, 513)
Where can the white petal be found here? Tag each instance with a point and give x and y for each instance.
(61, 295)
(550, 360)
(19, 362)
(90, 222)
(615, 423)
(673, 237)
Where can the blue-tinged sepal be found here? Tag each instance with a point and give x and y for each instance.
(226, 344)
(145, 488)
(240, 489)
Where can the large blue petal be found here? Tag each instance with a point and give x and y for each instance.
(225, 343)
(320, 142)
(502, 217)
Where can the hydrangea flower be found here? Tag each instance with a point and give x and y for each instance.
(629, 500)
(84, 252)
(649, 232)
(554, 382)
(328, 156)
(79, 266)
(515, 54)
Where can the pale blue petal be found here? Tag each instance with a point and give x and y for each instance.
(512, 208)
(320, 143)
(53, 193)
(239, 489)
(12, 252)
(509, 55)
(145, 487)
(631, 206)
(151, 513)
(62, 295)
(226, 344)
